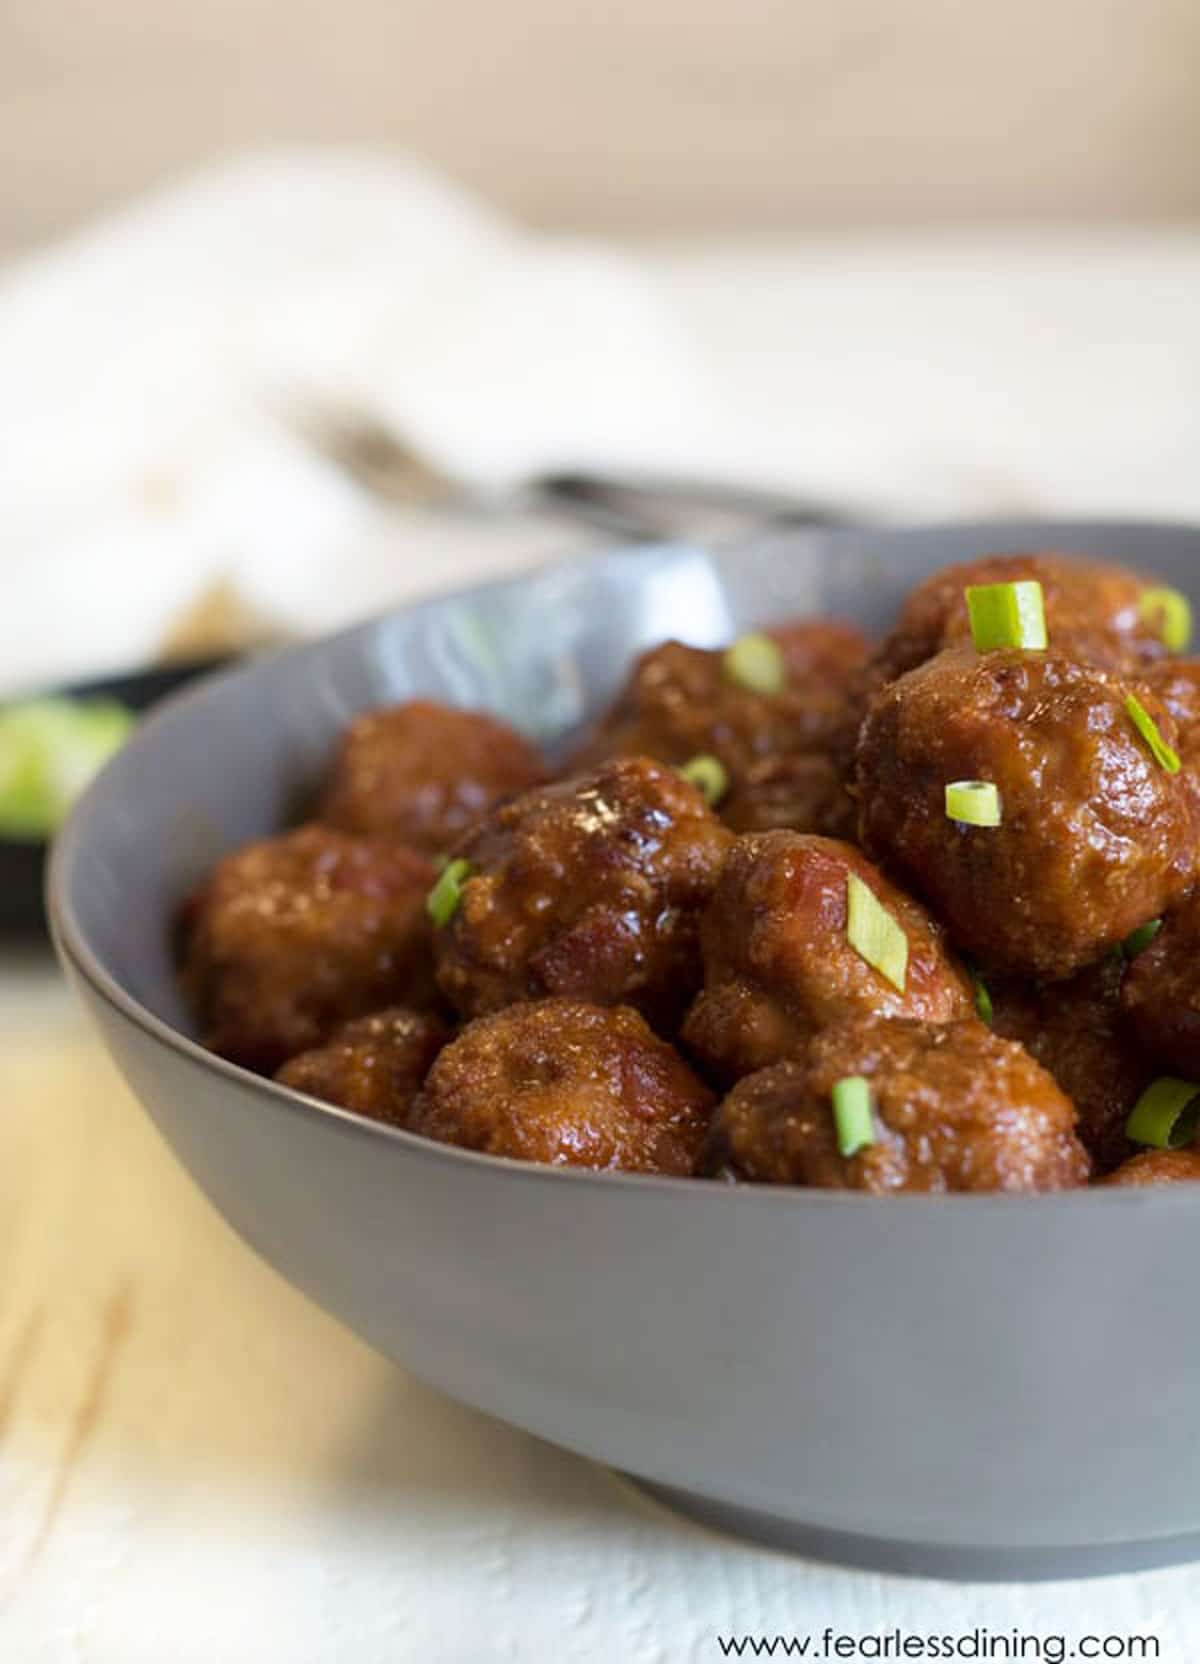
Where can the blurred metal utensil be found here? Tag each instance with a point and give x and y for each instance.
(375, 456)
(630, 506)
(675, 505)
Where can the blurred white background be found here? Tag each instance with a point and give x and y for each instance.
(645, 115)
(909, 258)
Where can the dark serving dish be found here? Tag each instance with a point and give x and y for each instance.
(990, 1386)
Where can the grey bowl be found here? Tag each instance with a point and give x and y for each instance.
(972, 1386)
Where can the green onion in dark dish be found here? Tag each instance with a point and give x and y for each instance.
(755, 662)
(1171, 613)
(1140, 939)
(709, 776)
(442, 901)
(49, 751)
(973, 803)
(1164, 755)
(874, 934)
(852, 1114)
(1166, 1115)
(1007, 615)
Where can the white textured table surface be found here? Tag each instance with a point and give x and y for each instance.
(196, 1465)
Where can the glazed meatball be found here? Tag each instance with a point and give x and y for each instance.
(1094, 612)
(826, 650)
(1155, 1167)
(567, 1083)
(1076, 1030)
(425, 773)
(1176, 682)
(804, 791)
(1161, 995)
(1096, 837)
(374, 1065)
(778, 965)
(954, 1108)
(294, 935)
(680, 703)
(592, 887)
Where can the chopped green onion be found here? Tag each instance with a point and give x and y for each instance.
(1164, 755)
(1007, 615)
(49, 750)
(983, 999)
(874, 934)
(1141, 939)
(973, 803)
(442, 901)
(1171, 613)
(756, 662)
(852, 1114)
(1166, 1114)
(708, 776)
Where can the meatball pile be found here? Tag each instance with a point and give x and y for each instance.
(921, 915)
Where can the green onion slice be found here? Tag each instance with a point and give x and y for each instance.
(1170, 612)
(973, 803)
(852, 1114)
(709, 776)
(1141, 938)
(1164, 755)
(442, 901)
(983, 999)
(49, 750)
(1007, 615)
(1166, 1114)
(756, 662)
(874, 934)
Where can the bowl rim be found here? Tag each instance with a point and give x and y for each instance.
(79, 956)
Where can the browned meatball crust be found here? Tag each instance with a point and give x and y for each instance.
(1097, 837)
(680, 703)
(567, 1083)
(294, 935)
(1076, 1030)
(1155, 1167)
(827, 651)
(1093, 612)
(954, 1108)
(777, 962)
(1176, 682)
(1161, 995)
(808, 789)
(424, 773)
(374, 1065)
(592, 887)
(803, 791)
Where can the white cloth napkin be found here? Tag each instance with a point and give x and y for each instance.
(156, 371)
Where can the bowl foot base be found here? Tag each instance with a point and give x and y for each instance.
(889, 1554)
